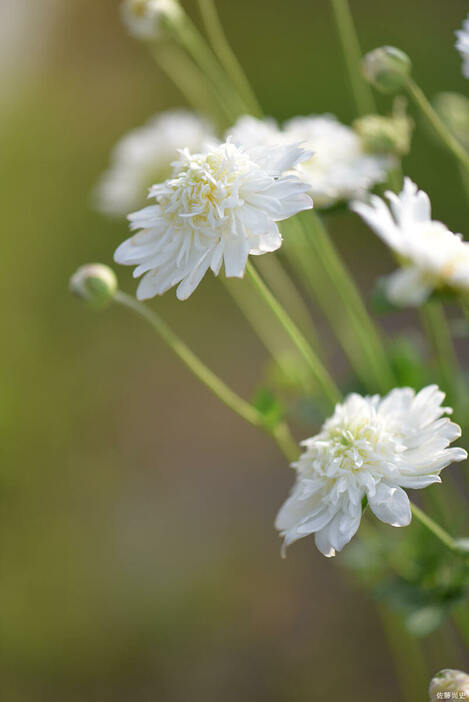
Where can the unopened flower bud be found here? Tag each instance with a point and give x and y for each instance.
(150, 19)
(387, 68)
(449, 685)
(94, 283)
(453, 110)
(385, 135)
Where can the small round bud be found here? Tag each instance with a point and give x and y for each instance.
(150, 19)
(449, 685)
(453, 110)
(385, 135)
(387, 68)
(94, 283)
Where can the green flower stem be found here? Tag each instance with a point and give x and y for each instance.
(277, 343)
(440, 128)
(186, 33)
(324, 380)
(191, 82)
(437, 330)
(362, 93)
(280, 432)
(283, 287)
(369, 355)
(227, 57)
(435, 528)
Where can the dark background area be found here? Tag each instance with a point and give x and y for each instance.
(139, 558)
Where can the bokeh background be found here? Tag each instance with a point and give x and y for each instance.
(139, 559)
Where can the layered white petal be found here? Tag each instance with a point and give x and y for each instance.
(220, 206)
(144, 156)
(370, 448)
(337, 167)
(431, 255)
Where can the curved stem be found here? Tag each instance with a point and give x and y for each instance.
(227, 56)
(280, 432)
(320, 373)
(435, 528)
(362, 93)
(440, 128)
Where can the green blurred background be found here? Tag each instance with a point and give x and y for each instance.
(139, 558)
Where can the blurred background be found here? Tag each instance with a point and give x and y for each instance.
(139, 558)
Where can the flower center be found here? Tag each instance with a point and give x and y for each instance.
(204, 189)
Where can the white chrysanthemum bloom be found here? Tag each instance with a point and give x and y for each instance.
(371, 447)
(219, 206)
(432, 256)
(462, 45)
(144, 156)
(339, 168)
(145, 19)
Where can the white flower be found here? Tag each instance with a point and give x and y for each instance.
(144, 156)
(220, 205)
(144, 18)
(450, 685)
(339, 168)
(432, 256)
(371, 447)
(462, 45)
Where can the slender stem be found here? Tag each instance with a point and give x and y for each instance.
(226, 55)
(285, 289)
(196, 46)
(275, 340)
(440, 128)
(436, 326)
(363, 331)
(362, 93)
(322, 376)
(245, 410)
(435, 528)
(190, 81)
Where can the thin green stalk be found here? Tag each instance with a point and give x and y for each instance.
(191, 82)
(277, 343)
(363, 329)
(283, 287)
(436, 327)
(435, 528)
(324, 380)
(245, 410)
(227, 56)
(440, 128)
(362, 93)
(194, 43)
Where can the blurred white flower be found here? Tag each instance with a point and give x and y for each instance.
(462, 45)
(371, 447)
(339, 168)
(144, 156)
(145, 19)
(432, 256)
(221, 205)
(449, 684)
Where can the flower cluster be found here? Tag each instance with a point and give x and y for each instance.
(145, 19)
(370, 448)
(432, 256)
